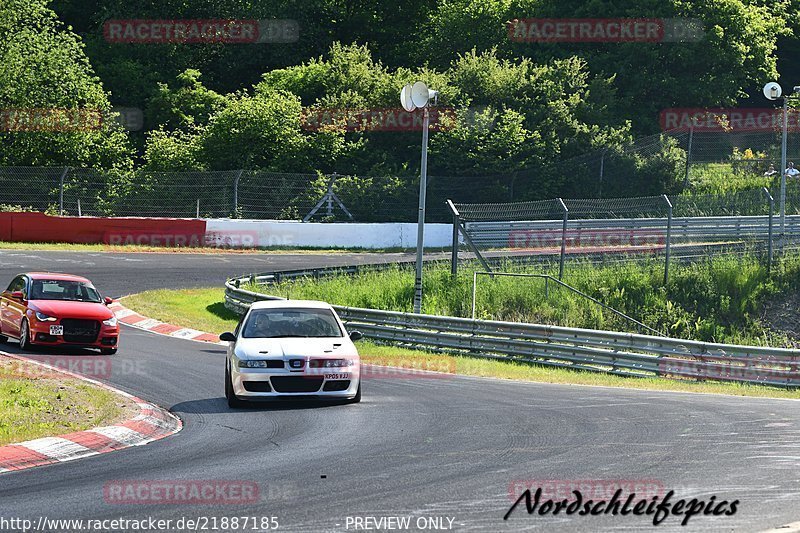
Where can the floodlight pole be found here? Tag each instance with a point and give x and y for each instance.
(423, 185)
(783, 167)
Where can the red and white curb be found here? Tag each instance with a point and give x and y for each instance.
(151, 424)
(132, 318)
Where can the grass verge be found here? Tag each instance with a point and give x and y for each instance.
(36, 403)
(203, 309)
(716, 300)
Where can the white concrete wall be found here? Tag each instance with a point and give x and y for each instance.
(233, 232)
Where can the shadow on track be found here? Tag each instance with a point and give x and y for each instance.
(220, 405)
(38, 351)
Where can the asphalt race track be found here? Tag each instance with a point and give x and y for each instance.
(119, 274)
(434, 447)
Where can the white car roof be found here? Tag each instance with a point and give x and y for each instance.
(301, 304)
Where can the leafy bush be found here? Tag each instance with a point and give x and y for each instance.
(746, 161)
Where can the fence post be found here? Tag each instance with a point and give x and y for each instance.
(688, 157)
(474, 291)
(80, 214)
(563, 238)
(329, 195)
(771, 201)
(236, 192)
(198, 209)
(669, 239)
(61, 191)
(454, 251)
(602, 168)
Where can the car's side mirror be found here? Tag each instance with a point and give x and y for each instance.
(107, 300)
(228, 337)
(17, 295)
(356, 335)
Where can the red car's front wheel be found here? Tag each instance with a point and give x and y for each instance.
(24, 335)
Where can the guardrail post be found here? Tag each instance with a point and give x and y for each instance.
(61, 191)
(771, 201)
(563, 238)
(454, 251)
(669, 239)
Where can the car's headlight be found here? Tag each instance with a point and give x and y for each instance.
(252, 364)
(41, 317)
(330, 363)
(111, 321)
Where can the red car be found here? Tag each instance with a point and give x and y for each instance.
(40, 308)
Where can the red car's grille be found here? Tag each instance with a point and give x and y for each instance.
(78, 330)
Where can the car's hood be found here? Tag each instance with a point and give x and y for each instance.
(64, 309)
(260, 348)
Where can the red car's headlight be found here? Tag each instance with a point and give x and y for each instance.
(41, 317)
(111, 321)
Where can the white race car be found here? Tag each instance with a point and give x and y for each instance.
(291, 348)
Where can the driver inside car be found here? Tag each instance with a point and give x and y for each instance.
(261, 327)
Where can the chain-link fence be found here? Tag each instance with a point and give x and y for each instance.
(621, 227)
(236, 193)
(718, 160)
(695, 162)
(704, 173)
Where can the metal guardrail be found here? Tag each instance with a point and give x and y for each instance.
(697, 229)
(616, 233)
(627, 354)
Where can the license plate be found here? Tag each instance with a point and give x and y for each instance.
(337, 376)
(56, 330)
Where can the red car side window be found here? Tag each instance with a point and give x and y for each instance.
(17, 284)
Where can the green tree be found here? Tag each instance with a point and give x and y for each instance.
(262, 131)
(735, 55)
(187, 104)
(43, 67)
(131, 72)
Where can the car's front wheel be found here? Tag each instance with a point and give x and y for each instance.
(108, 351)
(233, 401)
(24, 336)
(357, 397)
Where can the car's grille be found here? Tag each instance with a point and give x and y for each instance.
(256, 386)
(296, 383)
(77, 330)
(336, 385)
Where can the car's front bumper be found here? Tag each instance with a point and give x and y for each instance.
(257, 383)
(107, 337)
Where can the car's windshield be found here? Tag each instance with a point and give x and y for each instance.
(57, 289)
(291, 322)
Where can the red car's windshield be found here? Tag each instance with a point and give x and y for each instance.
(56, 289)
